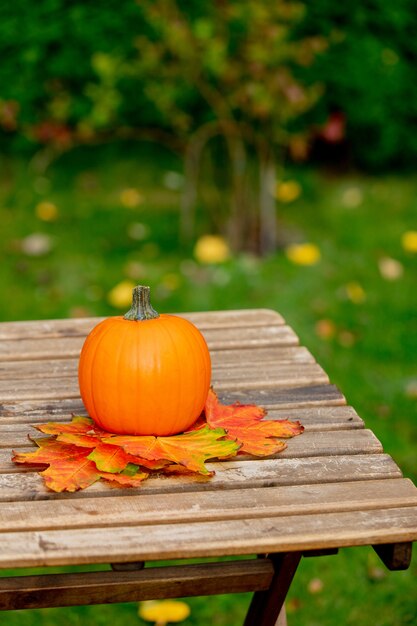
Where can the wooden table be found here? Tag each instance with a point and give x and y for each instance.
(332, 487)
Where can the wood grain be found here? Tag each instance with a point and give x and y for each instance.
(222, 361)
(314, 443)
(225, 538)
(80, 327)
(217, 339)
(21, 486)
(58, 384)
(151, 583)
(248, 503)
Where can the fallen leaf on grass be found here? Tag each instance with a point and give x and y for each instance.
(243, 423)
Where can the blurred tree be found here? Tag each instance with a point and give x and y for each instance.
(232, 62)
(186, 72)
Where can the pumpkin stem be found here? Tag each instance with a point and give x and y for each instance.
(141, 308)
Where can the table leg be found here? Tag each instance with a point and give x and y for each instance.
(395, 556)
(266, 605)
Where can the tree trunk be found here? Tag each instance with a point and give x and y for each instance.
(267, 211)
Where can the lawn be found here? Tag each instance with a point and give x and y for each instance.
(106, 217)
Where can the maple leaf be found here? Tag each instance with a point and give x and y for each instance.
(242, 422)
(125, 480)
(80, 439)
(71, 474)
(78, 424)
(49, 450)
(110, 458)
(190, 449)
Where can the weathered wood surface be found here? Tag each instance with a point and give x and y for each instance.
(229, 475)
(332, 487)
(217, 339)
(226, 537)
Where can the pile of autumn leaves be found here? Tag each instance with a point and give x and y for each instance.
(79, 453)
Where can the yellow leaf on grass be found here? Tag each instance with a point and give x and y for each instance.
(131, 198)
(46, 211)
(409, 241)
(287, 191)
(303, 253)
(121, 295)
(355, 292)
(163, 611)
(211, 249)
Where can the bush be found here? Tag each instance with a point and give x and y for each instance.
(73, 69)
(369, 74)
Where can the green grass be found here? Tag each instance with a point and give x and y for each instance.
(369, 350)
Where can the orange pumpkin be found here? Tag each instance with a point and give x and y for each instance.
(144, 373)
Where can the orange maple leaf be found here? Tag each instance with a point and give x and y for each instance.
(243, 422)
(71, 474)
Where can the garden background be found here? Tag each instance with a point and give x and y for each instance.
(228, 154)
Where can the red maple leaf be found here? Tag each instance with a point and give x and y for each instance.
(243, 422)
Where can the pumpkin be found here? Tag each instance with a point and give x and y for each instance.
(144, 373)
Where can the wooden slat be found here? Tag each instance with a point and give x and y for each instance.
(20, 486)
(223, 362)
(207, 539)
(308, 444)
(217, 339)
(35, 410)
(295, 397)
(16, 434)
(15, 418)
(26, 592)
(270, 395)
(241, 377)
(320, 417)
(79, 327)
(131, 510)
